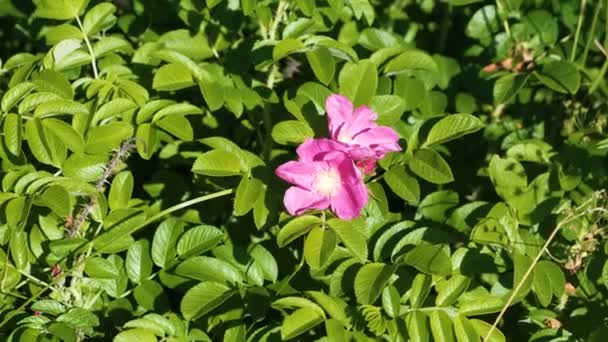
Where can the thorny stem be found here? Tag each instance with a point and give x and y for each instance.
(272, 34)
(90, 47)
(571, 216)
(81, 262)
(577, 34)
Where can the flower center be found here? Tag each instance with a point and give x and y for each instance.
(345, 137)
(327, 182)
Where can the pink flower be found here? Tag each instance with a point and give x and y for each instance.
(356, 128)
(324, 176)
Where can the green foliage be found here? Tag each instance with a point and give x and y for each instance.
(139, 139)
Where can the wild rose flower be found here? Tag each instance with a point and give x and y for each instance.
(323, 177)
(356, 128)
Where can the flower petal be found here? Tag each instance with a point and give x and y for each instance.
(381, 139)
(298, 200)
(363, 119)
(298, 173)
(349, 200)
(315, 149)
(339, 110)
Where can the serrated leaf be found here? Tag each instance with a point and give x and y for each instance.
(172, 77)
(318, 246)
(508, 86)
(165, 240)
(121, 190)
(198, 240)
(217, 163)
(15, 94)
(560, 76)
(98, 17)
(441, 326)
(403, 184)
(370, 281)
(430, 259)
(299, 322)
(351, 234)
(66, 133)
(452, 127)
(247, 193)
(97, 267)
(12, 133)
(291, 132)
(203, 298)
(296, 228)
(430, 166)
(138, 263)
(359, 81)
(411, 60)
(205, 268)
(322, 63)
(286, 47)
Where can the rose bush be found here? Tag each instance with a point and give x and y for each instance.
(264, 170)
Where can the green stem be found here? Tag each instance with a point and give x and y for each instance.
(152, 219)
(599, 77)
(596, 15)
(577, 34)
(90, 47)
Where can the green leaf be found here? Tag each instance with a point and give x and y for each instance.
(12, 133)
(247, 193)
(451, 289)
(266, 261)
(286, 47)
(217, 163)
(59, 9)
(139, 262)
(481, 305)
(441, 326)
(57, 199)
(97, 267)
(370, 281)
(178, 126)
(203, 298)
(291, 132)
(352, 236)
(452, 127)
(198, 240)
(417, 326)
(403, 184)
(483, 328)
(98, 18)
(66, 133)
(390, 108)
(297, 302)
(19, 247)
(464, 329)
(560, 76)
(318, 246)
(391, 301)
(60, 107)
(103, 139)
(334, 306)
(322, 63)
(205, 268)
(150, 295)
(521, 264)
(411, 60)
(15, 94)
(436, 205)
(139, 335)
(359, 81)
(85, 167)
(165, 240)
(430, 166)
(296, 228)
(172, 77)
(299, 322)
(49, 306)
(147, 140)
(430, 259)
(112, 109)
(44, 146)
(121, 190)
(508, 86)
(110, 44)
